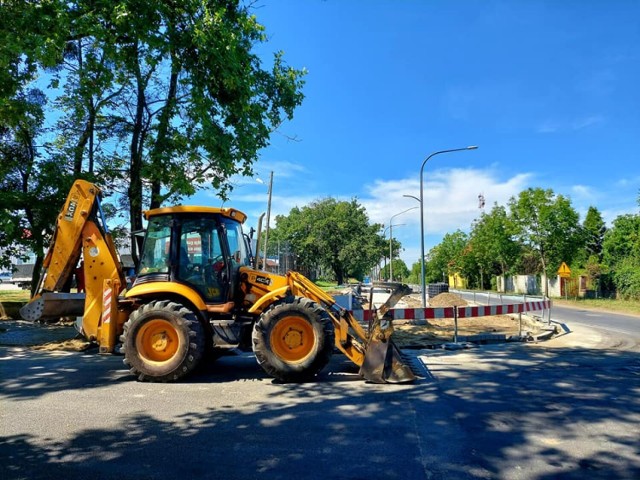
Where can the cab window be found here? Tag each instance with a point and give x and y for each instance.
(237, 245)
(155, 251)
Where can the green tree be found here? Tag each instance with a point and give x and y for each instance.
(30, 185)
(627, 279)
(594, 230)
(549, 225)
(622, 241)
(492, 243)
(156, 99)
(447, 257)
(621, 255)
(400, 271)
(414, 274)
(589, 259)
(625, 255)
(332, 234)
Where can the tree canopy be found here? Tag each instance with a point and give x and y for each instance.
(493, 243)
(152, 100)
(333, 234)
(594, 230)
(621, 254)
(548, 224)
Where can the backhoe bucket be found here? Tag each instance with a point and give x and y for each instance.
(382, 359)
(50, 306)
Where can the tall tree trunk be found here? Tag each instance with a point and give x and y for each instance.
(164, 121)
(546, 274)
(135, 167)
(37, 268)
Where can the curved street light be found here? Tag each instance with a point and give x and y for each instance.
(421, 200)
(391, 240)
(384, 234)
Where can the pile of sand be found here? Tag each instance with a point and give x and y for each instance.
(447, 300)
(440, 330)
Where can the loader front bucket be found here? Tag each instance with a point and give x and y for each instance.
(383, 363)
(50, 306)
(382, 359)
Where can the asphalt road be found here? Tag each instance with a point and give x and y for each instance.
(564, 409)
(616, 323)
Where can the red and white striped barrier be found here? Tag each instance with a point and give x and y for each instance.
(485, 310)
(422, 313)
(450, 312)
(408, 313)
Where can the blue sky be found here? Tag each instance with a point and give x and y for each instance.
(549, 91)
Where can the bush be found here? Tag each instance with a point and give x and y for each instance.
(627, 280)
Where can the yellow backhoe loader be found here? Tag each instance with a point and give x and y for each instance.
(197, 293)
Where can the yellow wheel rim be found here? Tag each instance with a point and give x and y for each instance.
(292, 339)
(157, 341)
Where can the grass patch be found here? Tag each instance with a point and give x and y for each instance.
(325, 285)
(621, 306)
(14, 296)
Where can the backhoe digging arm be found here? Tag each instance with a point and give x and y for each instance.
(81, 230)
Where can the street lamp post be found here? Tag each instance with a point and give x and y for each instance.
(391, 240)
(384, 234)
(421, 200)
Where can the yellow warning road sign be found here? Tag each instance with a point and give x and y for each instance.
(564, 271)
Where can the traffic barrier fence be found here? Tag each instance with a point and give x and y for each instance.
(431, 313)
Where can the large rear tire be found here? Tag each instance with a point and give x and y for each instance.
(293, 340)
(163, 342)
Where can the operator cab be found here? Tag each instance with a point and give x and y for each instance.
(201, 247)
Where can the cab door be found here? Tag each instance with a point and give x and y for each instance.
(202, 263)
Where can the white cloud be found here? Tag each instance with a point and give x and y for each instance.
(629, 182)
(450, 197)
(548, 126)
(254, 204)
(571, 124)
(587, 121)
(282, 169)
(583, 193)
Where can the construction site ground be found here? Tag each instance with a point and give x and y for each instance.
(439, 331)
(63, 336)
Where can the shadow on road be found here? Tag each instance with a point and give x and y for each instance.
(517, 413)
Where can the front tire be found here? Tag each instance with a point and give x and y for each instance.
(163, 342)
(293, 340)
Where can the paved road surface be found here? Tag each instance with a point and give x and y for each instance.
(564, 409)
(618, 323)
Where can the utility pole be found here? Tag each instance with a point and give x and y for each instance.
(266, 233)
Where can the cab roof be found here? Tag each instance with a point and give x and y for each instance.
(189, 209)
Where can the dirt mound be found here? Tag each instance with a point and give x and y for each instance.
(441, 330)
(412, 301)
(447, 300)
